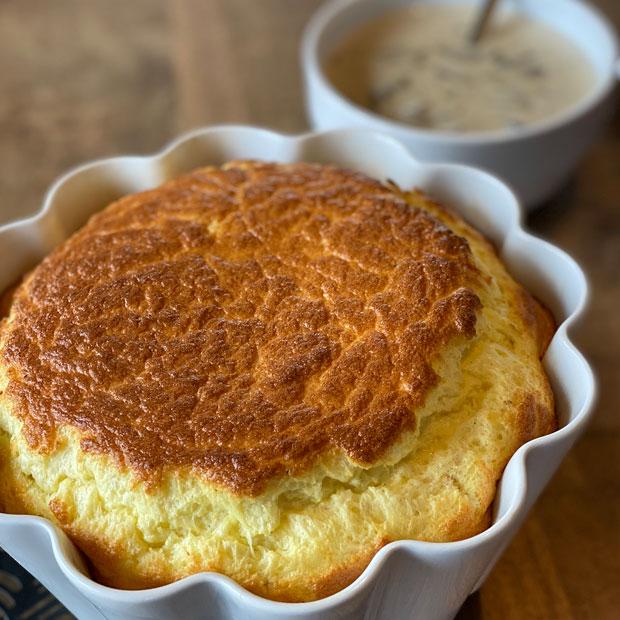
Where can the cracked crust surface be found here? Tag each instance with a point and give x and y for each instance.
(241, 321)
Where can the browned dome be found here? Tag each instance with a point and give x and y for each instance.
(241, 320)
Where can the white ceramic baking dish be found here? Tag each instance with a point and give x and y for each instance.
(406, 579)
(535, 160)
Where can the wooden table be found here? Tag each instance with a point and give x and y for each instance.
(84, 79)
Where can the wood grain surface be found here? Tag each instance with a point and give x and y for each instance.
(81, 79)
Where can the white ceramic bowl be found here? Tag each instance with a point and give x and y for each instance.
(535, 161)
(406, 578)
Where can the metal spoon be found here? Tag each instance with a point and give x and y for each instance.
(482, 19)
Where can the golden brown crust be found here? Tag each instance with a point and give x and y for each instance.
(538, 319)
(535, 418)
(342, 576)
(241, 321)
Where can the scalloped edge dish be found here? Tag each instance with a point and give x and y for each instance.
(405, 578)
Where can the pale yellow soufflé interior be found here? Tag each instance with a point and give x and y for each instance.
(268, 371)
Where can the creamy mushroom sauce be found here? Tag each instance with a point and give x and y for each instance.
(416, 66)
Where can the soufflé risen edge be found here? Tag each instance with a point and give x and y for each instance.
(269, 371)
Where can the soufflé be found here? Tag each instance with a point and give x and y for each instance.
(269, 371)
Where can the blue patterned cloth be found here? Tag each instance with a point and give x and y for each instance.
(22, 597)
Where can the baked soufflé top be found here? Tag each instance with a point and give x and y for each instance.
(241, 321)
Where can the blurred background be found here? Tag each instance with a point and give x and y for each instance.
(83, 79)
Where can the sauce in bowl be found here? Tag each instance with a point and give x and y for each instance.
(416, 66)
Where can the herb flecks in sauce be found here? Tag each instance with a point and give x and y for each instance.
(416, 66)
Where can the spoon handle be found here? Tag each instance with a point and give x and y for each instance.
(482, 19)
